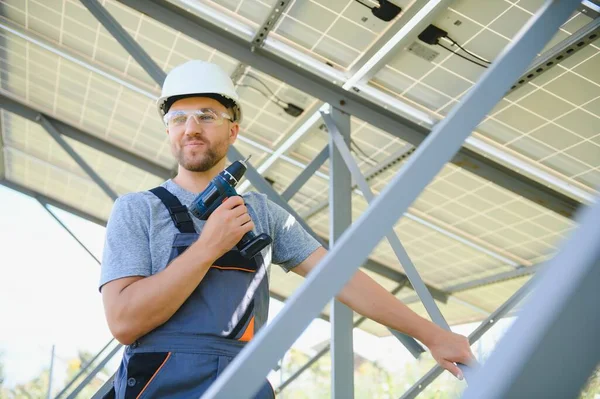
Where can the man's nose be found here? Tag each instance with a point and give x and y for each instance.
(192, 126)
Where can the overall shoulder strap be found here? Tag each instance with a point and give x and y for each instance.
(179, 213)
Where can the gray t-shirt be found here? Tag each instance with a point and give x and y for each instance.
(140, 232)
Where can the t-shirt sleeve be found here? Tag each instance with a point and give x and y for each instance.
(291, 243)
(126, 246)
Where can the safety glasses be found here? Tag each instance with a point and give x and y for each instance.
(204, 116)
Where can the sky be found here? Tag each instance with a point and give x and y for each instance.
(49, 296)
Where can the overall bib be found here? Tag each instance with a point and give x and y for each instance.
(185, 355)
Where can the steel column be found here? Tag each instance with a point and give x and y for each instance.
(261, 354)
(340, 206)
(306, 174)
(560, 322)
(219, 37)
(129, 44)
(488, 323)
(56, 135)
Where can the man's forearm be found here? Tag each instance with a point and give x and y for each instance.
(151, 301)
(369, 299)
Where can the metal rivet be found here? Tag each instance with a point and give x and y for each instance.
(131, 381)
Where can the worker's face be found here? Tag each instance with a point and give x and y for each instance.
(199, 147)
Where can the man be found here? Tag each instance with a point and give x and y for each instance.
(176, 293)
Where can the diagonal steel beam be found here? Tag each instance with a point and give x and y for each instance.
(64, 226)
(306, 174)
(120, 34)
(409, 267)
(253, 363)
(57, 136)
(219, 38)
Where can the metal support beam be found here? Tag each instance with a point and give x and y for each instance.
(351, 103)
(32, 114)
(93, 373)
(83, 370)
(269, 23)
(253, 363)
(590, 8)
(488, 323)
(405, 30)
(411, 271)
(306, 174)
(340, 198)
(45, 205)
(129, 44)
(496, 278)
(56, 135)
(559, 321)
(559, 53)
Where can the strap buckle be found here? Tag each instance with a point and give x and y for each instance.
(180, 215)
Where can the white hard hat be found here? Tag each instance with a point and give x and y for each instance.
(199, 78)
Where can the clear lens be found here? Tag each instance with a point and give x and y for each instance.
(207, 116)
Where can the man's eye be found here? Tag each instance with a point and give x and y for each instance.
(207, 117)
(179, 119)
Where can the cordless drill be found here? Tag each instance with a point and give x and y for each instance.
(217, 191)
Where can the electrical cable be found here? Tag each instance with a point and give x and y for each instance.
(353, 143)
(366, 5)
(265, 86)
(467, 51)
(462, 56)
(276, 102)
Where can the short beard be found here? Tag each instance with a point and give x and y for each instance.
(205, 162)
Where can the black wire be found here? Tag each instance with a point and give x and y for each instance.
(265, 86)
(462, 56)
(467, 51)
(353, 143)
(360, 2)
(266, 95)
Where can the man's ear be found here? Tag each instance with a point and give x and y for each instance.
(234, 129)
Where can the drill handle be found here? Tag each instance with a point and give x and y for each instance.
(251, 244)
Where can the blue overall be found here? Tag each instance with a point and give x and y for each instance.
(184, 356)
